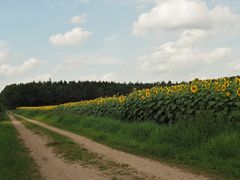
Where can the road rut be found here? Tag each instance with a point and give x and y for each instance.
(142, 165)
(52, 167)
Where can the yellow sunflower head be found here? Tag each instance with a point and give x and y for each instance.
(155, 92)
(148, 94)
(147, 90)
(121, 99)
(218, 87)
(224, 87)
(194, 89)
(238, 80)
(238, 92)
(228, 94)
(143, 97)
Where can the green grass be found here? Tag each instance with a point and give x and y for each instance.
(74, 153)
(15, 162)
(206, 144)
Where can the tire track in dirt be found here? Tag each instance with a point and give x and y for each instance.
(142, 165)
(51, 166)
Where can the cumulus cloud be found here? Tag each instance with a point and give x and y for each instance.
(192, 37)
(43, 77)
(78, 19)
(74, 37)
(97, 77)
(108, 77)
(82, 61)
(10, 70)
(172, 59)
(4, 52)
(182, 57)
(172, 15)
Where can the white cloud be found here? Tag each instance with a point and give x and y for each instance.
(236, 67)
(183, 57)
(74, 37)
(193, 38)
(10, 70)
(97, 77)
(82, 61)
(78, 19)
(4, 52)
(108, 77)
(43, 77)
(172, 15)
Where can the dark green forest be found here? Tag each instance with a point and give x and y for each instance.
(52, 93)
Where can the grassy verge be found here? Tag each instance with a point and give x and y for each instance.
(72, 152)
(15, 162)
(206, 143)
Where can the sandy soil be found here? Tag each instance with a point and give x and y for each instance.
(142, 165)
(52, 167)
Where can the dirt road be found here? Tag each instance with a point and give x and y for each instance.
(142, 165)
(52, 167)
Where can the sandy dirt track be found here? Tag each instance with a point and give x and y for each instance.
(52, 167)
(142, 165)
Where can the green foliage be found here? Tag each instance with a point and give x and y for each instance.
(205, 142)
(163, 109)
(3, 114)
(51, 93)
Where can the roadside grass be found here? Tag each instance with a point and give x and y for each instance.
(15, 162)
(72, 152)
(207, 143)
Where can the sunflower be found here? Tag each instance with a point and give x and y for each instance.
(121, 99)
(148, 94)
(169, 91)
(238, 80)
(147, 90)
(238, 92)
(194, 89)
(143, 97)
(224, 87)
(218, 87)
(155, 92)
(228, 94)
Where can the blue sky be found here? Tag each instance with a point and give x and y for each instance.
(127, 40)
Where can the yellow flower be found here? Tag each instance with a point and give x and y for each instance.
(155, 92)
(228, 94)
(148, 94)
(121, 99)
(238, 80)
(194, 89)
(224, 87)
(169, 91)
(238, 92)
(143, 97)
(218, 87)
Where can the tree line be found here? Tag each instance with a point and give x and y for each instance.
(52, 93)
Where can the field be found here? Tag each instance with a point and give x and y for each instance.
(194, 124)
(164, 105)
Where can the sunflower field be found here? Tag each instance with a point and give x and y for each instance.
(164, 105)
